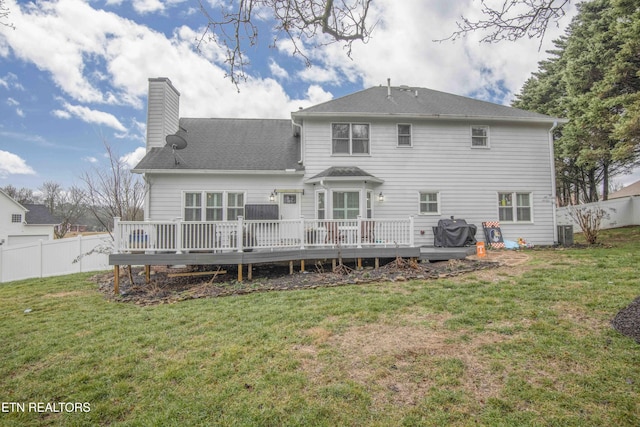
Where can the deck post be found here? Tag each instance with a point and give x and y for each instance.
(240, 235)
(178, 223)
(377, 263)
(116, 279)
(250, 272)
(147, 274)
(302, 265)
(359, 232)
(290, 268)
(411, 236)
(240, 273)
(116, 234)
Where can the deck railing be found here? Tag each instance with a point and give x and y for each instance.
(239, 235)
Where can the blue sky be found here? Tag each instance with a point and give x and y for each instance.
(73, 74)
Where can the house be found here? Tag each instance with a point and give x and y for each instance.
(407, 155)
(24, 223)
(629, 190)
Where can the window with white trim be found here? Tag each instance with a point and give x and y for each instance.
(211, 206)
(349, 138)
(480, 136)
(321, 210)
(16, 218)
(369, 204)
(235, 206)
(514, 207)
(214, 210)
(346, 204)
(429, 204)
(404, 135)
(193, 206)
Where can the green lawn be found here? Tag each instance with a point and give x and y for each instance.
(524, 345)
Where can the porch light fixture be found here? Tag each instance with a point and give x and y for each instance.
(272, 196)
(381, 197)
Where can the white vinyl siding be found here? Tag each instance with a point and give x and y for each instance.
(441, 160)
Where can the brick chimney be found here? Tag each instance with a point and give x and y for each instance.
(163, 107)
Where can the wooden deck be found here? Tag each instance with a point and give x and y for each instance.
(267, 256)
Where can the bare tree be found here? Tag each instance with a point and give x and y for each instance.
(298, 20)
(114, 191)
(4, 14)
(23, 195)
(513, 19)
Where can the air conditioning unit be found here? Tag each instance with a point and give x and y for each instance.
(565, 235)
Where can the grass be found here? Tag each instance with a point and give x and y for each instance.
(530, 345)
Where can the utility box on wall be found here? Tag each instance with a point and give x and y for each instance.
(565, 235)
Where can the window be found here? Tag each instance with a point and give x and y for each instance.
(480, 136)
(350, 138)
(429, 203)
(369, 204)
(346, 204)
(404, 135)
(210, 206)
(320, 205)
(514, 205)
(16, 218)
(193, 207)
(214, 208)
(235, 206)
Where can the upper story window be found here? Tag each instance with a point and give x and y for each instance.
(514, 207)
(16, 218)
(480, 136)
(350, 138)
(404, 136)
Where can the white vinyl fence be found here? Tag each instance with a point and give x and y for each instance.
(53, 257)
(620, 212)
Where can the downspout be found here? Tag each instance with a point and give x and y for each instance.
(552, 160)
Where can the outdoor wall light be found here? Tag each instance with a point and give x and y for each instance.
(272, 196)
(381, 197)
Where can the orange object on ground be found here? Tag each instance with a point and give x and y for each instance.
(480, 250)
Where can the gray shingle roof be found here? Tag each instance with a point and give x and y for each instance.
(417, 102)
(230, 144)
(344, 172)
(39, 215)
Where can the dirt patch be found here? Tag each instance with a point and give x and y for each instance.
(400, 364)
(627, 321)
(163, 288)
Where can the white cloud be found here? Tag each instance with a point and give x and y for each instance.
(90, 159)
(133, 158)
(277, 71)
(11, 164)
(90, 116)
(12, 102)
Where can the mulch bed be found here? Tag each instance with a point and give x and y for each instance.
(627, 321)
(163, 289)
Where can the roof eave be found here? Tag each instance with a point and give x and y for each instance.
(219, 171)
(369, 178)
(304, 114)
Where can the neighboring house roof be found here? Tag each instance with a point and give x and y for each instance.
(338, 173)
(629, 190)
(419, 102)
(14, 201)
(39, 215)
(229, 145)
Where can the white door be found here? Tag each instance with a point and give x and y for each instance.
(289, 210)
